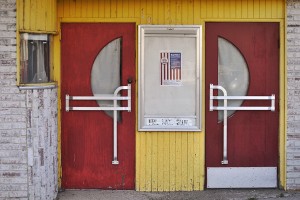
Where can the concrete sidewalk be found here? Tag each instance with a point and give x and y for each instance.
(220, 194)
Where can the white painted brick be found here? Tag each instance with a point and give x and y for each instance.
(293, 119)
(7, 167)
(13, 140)
(13, 194)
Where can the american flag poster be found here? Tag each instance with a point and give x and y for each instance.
(170, 68)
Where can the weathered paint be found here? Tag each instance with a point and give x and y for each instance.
(37, 15)
(171, 161)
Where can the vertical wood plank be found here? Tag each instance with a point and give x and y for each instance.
(72, 8)
(137, 8)
(244, 9)
(113, 8)
(41, 15)
(119, 9)
(196, 165)
(96, 8)
(66, 8)
(125, 9)
(173, 13)
(232, 7)
(84, 9)
(21, 14)
(160, 161)
(190, 10)
(148, 169)
(197, 12)
(78, 8)
(167, 11)
(184, 161)
(89, 7)
(262, 8)
(274, 9)
(181, 12)
(173, 161)
(178, 162)
(101, 9)
(138, 160)
(143, 12)
(166, 162)
(203, 9)
(155, 139)
(131, 8)
(209, 9)
(33, 14)
(280, 8)
(155, 11)
(107, 9)
(250, 9)
(200, 144)
(190, 161)
(60, 8)
(161, 13)
(54, 15)
(238, 4)
(154, 163)
(215, 9)
(149, 11)
(48, 15)
(256, 10)
(268, 10)
(222, 9)
(143, 155)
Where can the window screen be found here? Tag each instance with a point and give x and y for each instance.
(34, 58)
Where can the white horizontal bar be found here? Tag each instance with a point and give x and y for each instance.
(241, 108)
(99, 108)
(243, 97)
(98, 98)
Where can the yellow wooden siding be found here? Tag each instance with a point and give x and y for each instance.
(171, 161)
(37, 15)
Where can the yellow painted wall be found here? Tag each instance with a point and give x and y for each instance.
(173, 161)
(37, 15)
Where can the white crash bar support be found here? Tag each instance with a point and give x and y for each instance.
(115, 109)
(225, 108)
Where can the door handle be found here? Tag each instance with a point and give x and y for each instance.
(115, 108)
(225, 98)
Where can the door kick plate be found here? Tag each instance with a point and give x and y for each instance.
(241, 177)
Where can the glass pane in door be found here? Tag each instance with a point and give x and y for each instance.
(106, 72)
(233, 74)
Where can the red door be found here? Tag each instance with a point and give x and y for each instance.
(87, 136)
(252, 135)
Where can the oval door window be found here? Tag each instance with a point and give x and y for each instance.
(233, 74)
(106, 72)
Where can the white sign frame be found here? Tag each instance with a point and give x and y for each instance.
(182, 110)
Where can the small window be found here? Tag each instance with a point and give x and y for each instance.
(35, 62)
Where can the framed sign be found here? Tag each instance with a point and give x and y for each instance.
(169, 78)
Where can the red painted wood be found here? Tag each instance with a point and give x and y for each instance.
(87, 136)
(252, 135)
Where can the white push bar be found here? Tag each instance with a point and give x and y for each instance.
(225, 108)
(115, 108)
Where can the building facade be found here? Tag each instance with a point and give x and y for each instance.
(42, 145)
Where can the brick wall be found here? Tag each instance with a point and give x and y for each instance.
(28, 125)
(42, 143)
(293, 98)
(13, 150)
